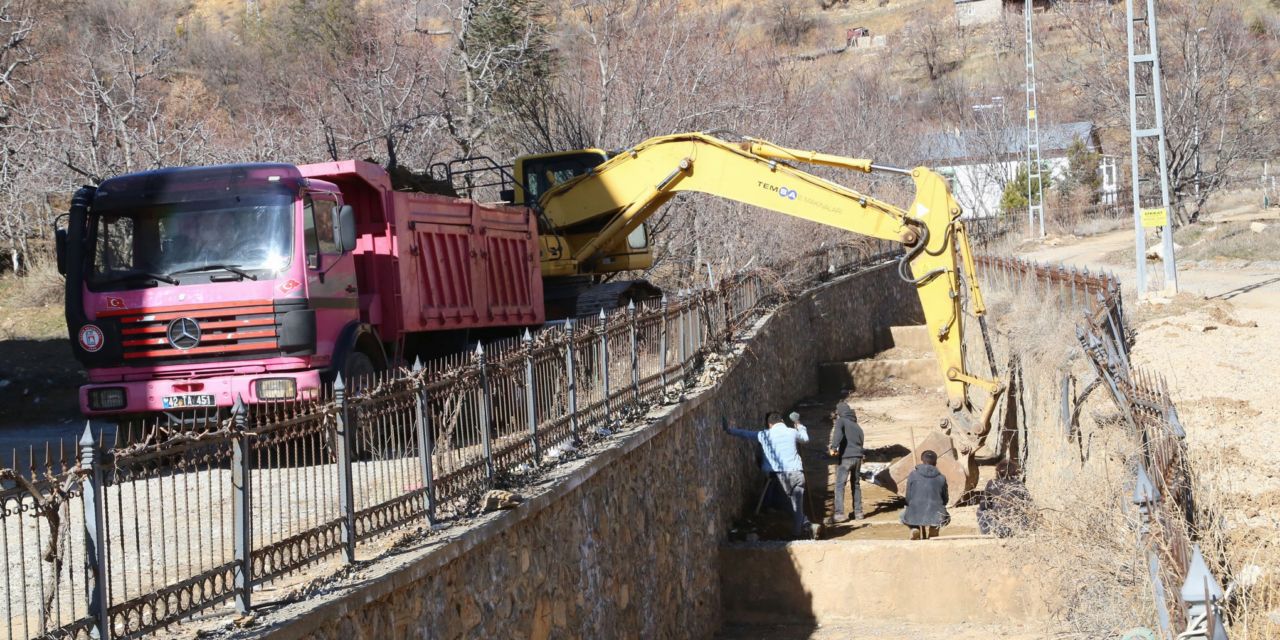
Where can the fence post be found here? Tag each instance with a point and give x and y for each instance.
(345, 440)
(531, 395)
(426, 445)
(1202, 596)
(95, 531)
(604, 364)
(242, 506)
(662, 346)
(485, 413)
(572, 380)
(635, 353)
(696, 320)
(1075, 275)
(1145, 497)
(682, 331)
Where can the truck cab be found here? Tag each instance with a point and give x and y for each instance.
(191, 287)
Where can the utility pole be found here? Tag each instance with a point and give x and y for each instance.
(1195, 102)
(1143, 219)
(1035, 190)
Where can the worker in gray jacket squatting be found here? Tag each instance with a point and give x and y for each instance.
(926, 511)
(846, 444)
(782, 462)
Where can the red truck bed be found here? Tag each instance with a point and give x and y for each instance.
(428, 262)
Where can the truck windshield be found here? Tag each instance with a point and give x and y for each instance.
(194, 240)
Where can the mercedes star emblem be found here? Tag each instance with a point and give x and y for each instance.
(184, 333)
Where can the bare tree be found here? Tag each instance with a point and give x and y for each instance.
(1217, 102)
(119, 113)
(935, 41)
(17, 21)
(382, 102)
(497, 47)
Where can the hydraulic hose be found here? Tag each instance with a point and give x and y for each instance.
(920, 247)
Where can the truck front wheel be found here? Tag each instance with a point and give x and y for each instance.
(358, 371)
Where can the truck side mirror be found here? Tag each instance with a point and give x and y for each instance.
(346, 228)
(60, 249)
(507, 195)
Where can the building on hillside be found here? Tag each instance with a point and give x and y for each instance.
(975, 12)
(979, 163)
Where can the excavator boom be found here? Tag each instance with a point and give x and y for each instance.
(628, 188)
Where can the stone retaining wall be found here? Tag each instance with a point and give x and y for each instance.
(625, 543)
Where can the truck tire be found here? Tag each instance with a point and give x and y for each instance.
(358, 371)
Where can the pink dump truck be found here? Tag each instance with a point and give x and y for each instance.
(189, 287)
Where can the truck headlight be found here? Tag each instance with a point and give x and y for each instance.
(107, 398)
(276, 388)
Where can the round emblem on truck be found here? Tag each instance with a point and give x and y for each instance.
(91, 338)
(184, 333)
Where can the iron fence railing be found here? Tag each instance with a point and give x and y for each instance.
(1162, 478)
(119, 540)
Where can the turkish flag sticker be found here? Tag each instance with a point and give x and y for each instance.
(115, 303)
(289, 285)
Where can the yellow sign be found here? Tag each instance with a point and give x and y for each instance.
(1031, 114)
(1155, 217)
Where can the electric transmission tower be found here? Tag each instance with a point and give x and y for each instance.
(1144, 83)
(1035, 190)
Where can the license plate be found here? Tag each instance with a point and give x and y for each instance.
(186, 401)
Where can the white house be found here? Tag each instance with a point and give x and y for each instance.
(979, 163)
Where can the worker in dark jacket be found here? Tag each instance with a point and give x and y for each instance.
(846, 444)
(926, 510)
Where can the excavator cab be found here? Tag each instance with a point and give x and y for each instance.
(536, 174)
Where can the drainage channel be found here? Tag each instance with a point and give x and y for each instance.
(866, 578)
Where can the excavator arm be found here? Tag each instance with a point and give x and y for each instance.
(624, 191)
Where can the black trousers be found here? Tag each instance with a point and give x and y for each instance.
(848, 470)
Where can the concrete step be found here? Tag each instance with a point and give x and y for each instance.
(865, 375)
(914, 337)
(963, 580)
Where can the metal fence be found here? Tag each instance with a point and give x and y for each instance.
(121, 539)
(1162, 479)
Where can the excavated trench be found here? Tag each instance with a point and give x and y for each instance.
(866, 578)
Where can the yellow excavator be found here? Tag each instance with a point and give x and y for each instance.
(595, 205)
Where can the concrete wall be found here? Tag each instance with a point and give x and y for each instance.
(627, 543)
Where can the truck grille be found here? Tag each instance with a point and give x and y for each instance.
(225, 328)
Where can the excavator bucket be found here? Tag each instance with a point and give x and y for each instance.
(961, 471)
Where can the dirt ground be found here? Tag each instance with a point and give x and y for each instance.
(1216, 344)
(39, 378)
